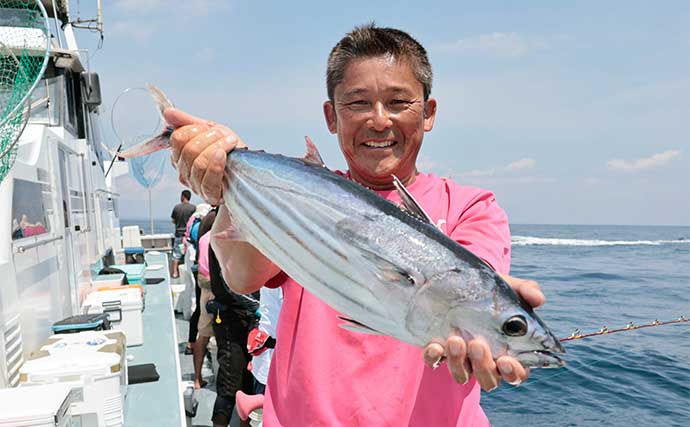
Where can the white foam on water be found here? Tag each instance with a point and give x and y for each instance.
(544, 241)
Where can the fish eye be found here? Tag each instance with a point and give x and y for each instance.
(516, 326)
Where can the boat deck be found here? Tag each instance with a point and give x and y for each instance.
(157, 403)
(160, 403)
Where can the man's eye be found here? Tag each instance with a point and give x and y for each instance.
(358, 102)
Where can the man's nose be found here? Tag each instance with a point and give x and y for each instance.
(380, 119)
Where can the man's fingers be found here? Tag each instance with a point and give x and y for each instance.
(432, 354)
(529, 290)
(212, 182)
(181, 137)
(511, 370)
(458, 364)
(483, 364)
(194, 157)
(177, 118)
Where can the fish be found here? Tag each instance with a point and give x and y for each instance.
(387, 269)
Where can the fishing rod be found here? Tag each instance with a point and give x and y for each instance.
(577, 334)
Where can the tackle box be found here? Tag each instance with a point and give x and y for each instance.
(82, 322)
(41, 405)
(134, 255)
(134, 272)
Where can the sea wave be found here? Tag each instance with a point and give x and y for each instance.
(550, 241)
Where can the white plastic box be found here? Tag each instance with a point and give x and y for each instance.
(124, 307)
(95, 380)
(131, 236)
(42, 406)
(107, 281)
(108, 341)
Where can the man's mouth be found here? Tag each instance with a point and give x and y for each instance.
(379, 143)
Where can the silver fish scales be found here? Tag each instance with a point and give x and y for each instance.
(386, 270)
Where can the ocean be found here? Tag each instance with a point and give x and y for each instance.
(596, 276)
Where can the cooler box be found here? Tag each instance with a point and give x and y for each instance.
(41, 405)
(134, 255)
(119, 288)
(94, 376)
(107, 280)
(134, 272)
(131, 237)
(124, 308)
(82, 322)
(100, 341)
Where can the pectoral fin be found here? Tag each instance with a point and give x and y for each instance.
(409, 203)
(355, 326)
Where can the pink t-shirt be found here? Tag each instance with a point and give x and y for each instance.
(324, 375)
(204, 242)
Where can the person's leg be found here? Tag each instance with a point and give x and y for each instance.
(194, 320)
(232, 370)
(177, 257)
(199, 348)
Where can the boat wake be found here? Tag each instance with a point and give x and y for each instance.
(544, 241)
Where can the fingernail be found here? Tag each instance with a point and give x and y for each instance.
(505, 367)
(476, 352)
(454, 348)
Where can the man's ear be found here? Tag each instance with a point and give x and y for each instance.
(429, 114)
(329, 114)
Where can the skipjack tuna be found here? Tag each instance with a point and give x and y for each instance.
(387, 269)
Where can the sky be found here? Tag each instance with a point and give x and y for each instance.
(571, 112)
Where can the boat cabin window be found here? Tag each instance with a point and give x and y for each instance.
(74, 113)
(30, 201)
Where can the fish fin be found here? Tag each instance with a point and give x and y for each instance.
(312, 155)
(160, 99)
(409, 203)
(148, 146)
(385, 269)
(355, 326)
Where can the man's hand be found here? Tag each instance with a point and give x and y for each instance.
(199, 152)
(476, 358)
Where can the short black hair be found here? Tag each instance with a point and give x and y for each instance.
(187, 194)
(370, 41)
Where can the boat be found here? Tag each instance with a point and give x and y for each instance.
(60, 227)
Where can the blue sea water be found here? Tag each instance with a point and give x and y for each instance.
(595, 276)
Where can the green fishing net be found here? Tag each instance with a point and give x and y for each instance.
(24, 48)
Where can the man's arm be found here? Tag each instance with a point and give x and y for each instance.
(201, 166)
(244, 268)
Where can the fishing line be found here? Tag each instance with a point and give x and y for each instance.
(603, 331)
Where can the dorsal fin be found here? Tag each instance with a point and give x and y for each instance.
(312, 155)
(409, 203)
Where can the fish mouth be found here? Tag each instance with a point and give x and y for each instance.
(540, 359)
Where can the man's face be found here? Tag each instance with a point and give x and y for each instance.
(380, 117)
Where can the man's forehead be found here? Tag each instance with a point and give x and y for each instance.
(359, 72)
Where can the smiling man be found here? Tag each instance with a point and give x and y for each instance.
(379, 84)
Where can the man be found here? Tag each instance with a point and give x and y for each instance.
(180, 215)
(379, 106)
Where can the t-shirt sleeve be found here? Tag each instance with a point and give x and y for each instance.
(478, 223)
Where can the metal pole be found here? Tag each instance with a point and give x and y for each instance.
(150, 211)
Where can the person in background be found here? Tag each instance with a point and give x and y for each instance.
(180, 215)
(190, 242)
(205, 322)
(233, 316)
(262, 340)
(379, 106)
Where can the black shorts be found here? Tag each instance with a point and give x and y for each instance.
(231, 339)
